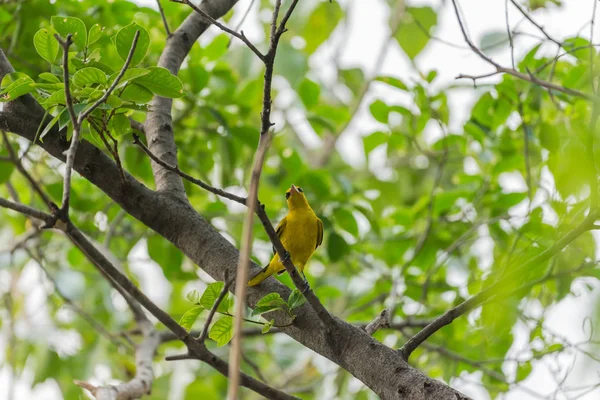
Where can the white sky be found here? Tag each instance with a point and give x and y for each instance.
(369, 26)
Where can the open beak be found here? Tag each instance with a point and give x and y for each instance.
(293, 189)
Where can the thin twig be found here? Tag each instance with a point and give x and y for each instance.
(164, 18)
(530, 19)
(198, 182)
(219, 25)
(239, 25)
(202, 337)
(242, 268)
(511, 71)
(77, 120)
(495, 288)
(29, 211)
(33, 183)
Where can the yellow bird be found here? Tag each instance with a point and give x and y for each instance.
(300, 232)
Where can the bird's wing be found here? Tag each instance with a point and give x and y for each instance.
(279, 230)
(319, 232)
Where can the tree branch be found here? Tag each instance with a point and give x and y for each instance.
(503, 70)
(158, 127)
(495, 288)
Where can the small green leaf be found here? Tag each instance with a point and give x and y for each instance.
(94, 34)
(309, 93)
(48, 77)
(119, 125)
(410, 35)
(374, 140)
(73, 26)
(210, 295)
(523, 371)
(222, 331)
(395, 82)
(337, 247)
(55, 98)
(128, 76)
(17, 89)
(89, 76)
(193, 296)
(46, 45)
(188, 319)
(491, 41)
(296, 299)
(113, 101)
(272, 299)
(124, 40)
(267, 327)
(346, 220)
(379, 111)
(137, 94)
(264, 309)
(321, 24)
(161, 82)
(51, 124)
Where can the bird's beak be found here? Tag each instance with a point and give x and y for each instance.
(293, 189)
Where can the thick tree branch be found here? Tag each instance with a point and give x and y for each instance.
(386, 374)
(141, 384)
(159, 124)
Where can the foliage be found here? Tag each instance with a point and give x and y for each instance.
(404, 226)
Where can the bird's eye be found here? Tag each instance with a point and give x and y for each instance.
(300, 190)
(287, 195)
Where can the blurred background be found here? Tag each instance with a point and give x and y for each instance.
(429, 187)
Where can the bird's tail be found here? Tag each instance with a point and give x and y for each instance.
(261, 276)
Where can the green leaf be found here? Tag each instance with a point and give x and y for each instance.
(17, 89)
(94, 34)
(137, 94)
(6, 167)
(113, 101)
(124, 40)
(73, 26)
(523, 371)
(267, 327)
(379, 111)
(321, 24)
(374, 140)
(210, 295)
(129, 75)
(193, 296)
(119, 125)
(222, 330)
(346, 221)
(296, 299)
(46, 45)
(161, 82)
(167, 256)
(309, 93)
(264, 309)
(188, 319)
(337, 247)
(272, 299)
(48, 77)
(89, 76)
(50, 124)
(395, 82)
(55, 98)
(410, 35)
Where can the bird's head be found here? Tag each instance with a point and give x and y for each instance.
(295, 198)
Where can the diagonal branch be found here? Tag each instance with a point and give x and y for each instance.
(77, 120)
(222, 27)
(495, 288)
(158, 126)
(499, 69)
